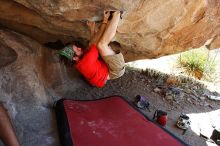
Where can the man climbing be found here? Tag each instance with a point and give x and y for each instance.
(98, 70)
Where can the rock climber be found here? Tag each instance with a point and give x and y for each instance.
(99, 62)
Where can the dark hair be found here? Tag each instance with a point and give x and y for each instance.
(80, 42)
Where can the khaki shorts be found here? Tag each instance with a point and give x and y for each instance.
(116, 65)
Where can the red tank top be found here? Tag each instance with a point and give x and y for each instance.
(93, 68)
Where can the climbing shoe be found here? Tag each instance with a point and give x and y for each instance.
(183, 122)
(142, 103)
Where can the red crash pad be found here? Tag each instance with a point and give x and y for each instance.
(110, 121)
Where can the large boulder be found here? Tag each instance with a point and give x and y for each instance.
(149, 29)
(31, 80)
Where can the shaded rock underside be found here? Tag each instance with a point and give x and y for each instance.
(149, 29)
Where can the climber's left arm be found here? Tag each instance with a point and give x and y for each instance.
(95, 39)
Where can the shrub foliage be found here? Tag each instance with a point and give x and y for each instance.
(198, 63)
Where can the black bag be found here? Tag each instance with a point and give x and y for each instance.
(216, 136)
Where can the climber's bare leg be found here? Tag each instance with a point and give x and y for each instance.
(108, 35)
(7, 134)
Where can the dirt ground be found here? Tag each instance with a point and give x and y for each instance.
(136, 83)
(34, 80)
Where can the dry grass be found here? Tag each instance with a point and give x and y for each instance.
(157, 75)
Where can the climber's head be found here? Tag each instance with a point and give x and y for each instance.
(73, 52)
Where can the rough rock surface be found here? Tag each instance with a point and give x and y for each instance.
(31, 79)
(149, 28)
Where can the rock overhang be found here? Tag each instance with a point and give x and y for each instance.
(149, 29)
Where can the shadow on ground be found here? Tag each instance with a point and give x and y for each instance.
(32, 82)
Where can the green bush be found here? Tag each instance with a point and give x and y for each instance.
(197, 63)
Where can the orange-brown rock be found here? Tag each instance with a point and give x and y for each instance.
(149, 28)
